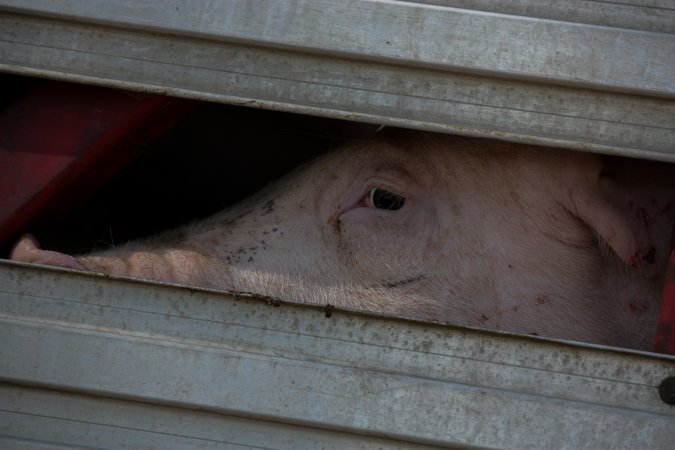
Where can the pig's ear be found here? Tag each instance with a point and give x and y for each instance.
(607, 210)
(28, 250)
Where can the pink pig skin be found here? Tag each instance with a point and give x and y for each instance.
(491, 234)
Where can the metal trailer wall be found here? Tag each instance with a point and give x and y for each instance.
(88, 361)
(97, 362)
(590, 75)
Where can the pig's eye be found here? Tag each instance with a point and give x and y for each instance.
(381, 199)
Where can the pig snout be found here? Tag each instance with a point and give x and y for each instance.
(174, 265)
(513, 238)
(28, 250)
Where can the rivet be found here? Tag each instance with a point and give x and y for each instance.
(667, 390)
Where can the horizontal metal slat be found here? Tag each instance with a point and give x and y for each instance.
(417, 35)
(582, 86)
(363, 376)
(56, 418)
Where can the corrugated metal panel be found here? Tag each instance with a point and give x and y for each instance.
(99, 362)
(590, 75)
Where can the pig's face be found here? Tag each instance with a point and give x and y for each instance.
(457, 230)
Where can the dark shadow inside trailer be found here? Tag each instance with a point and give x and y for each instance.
(213, 157)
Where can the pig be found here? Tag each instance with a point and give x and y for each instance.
(459, 230)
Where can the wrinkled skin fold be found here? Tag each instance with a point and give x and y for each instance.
(465, 231)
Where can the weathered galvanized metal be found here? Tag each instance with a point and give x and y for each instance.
(589, 75)
(92, 361)
(97, 362)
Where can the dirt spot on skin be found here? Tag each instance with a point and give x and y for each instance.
(542, 300)
(637, 308)
(337, 225)
(483, 318)
(268, 207)
(234, 220)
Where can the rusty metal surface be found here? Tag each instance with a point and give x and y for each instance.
(580, 75)
(91, 358)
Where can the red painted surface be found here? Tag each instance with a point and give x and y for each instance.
(665, 334)
(60, 142)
